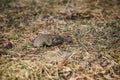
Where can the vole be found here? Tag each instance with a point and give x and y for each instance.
(48, 40)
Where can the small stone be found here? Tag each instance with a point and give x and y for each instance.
(105, 63)
(9, 45)
(107, 72)
(4, 43)
(99, 55)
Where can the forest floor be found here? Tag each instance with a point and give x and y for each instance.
(93, 25)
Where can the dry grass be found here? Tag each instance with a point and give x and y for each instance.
(93, 26)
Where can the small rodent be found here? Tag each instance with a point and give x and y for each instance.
(47, 40)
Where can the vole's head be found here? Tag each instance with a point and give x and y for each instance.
(67, 39)
(58, 39)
